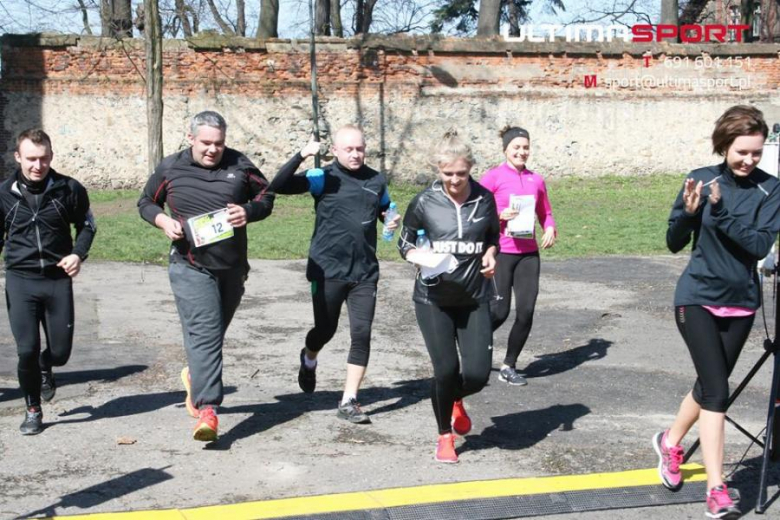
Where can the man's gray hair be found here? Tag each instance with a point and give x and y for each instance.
(207, 118)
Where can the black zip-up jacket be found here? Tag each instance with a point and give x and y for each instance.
(36, 239)
(347, 205)
(466, 232)
(729, 238)
(190, 190)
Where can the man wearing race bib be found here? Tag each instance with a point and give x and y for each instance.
(212, 192)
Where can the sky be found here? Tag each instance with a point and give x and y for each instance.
(21, 16)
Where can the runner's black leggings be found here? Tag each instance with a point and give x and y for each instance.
(34, 300)
(327, 298)
(521, 273)
(715, 344)
(440, 327)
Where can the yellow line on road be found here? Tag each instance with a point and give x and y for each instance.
(386, 498)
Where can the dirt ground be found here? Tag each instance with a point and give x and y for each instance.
(605, 363)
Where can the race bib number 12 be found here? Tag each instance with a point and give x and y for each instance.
(210, 228)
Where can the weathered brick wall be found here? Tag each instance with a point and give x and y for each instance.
(592, 109)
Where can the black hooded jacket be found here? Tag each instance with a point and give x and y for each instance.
(466, 232)
(37, 238)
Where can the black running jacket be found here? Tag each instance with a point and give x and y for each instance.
(36, 241)
(729, 238)
(466, 232)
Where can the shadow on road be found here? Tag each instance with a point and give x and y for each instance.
(518, 431)
(552, 364)
(105, 491)
(128, 405)
(746, 479)
(105, 375)
(291, 406)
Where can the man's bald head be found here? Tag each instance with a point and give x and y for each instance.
(349, 147)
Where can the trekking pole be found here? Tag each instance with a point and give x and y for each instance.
(314, 97)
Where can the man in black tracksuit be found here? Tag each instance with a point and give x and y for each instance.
(38, 207)
(349, 197)
(212, 192)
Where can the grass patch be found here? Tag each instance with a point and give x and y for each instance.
(605, 216)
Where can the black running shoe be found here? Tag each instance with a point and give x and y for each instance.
(307, 377)
(33, 421)
(350, 411)
(48, 385)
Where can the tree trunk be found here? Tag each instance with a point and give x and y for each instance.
(217, 18)
(489, 17)
(359, 9)
(105, 17)
(746, 9)
(240, 18)
(514, 19)
(367, 17)
(322, 18)
(116, 18)
(669, 10)
(85, 18)
(181, 12)
(122, 19)
(154, 83)
(335, 18)
(269, 19)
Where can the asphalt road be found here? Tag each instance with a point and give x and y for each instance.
(605, 363)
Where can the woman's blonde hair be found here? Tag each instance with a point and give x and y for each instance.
(450, 149)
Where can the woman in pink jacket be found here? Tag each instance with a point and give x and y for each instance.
(521, 197)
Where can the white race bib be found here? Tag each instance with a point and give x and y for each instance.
(210, 228)
(522, 226)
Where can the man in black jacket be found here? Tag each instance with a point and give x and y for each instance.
(212, 192)
(349, 197)
(38, 206)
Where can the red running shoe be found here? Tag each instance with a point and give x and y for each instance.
(445, 449)
(206, 429)
(461, 422)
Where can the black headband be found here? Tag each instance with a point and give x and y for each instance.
(514, 133)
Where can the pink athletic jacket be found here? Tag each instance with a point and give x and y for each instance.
(504, 181)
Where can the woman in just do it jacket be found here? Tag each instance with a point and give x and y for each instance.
(732, 212)
(459, 217)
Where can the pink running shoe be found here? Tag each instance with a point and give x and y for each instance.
(669, 460)
(445, 449)
(720, 504)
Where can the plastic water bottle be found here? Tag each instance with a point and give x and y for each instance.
(390, 214)
(422, 244)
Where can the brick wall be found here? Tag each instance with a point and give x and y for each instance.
(591, 109)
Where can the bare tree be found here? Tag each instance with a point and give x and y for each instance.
(154, 81)
(364, 15)
(619, 12)
(223, 26)
(335, 18)
(489, 18)
(322, 17)
(85, 17)
(240, 18)
(670, 12)
(183, 14)
(403, 16)
(116, 18)
(269, 19)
